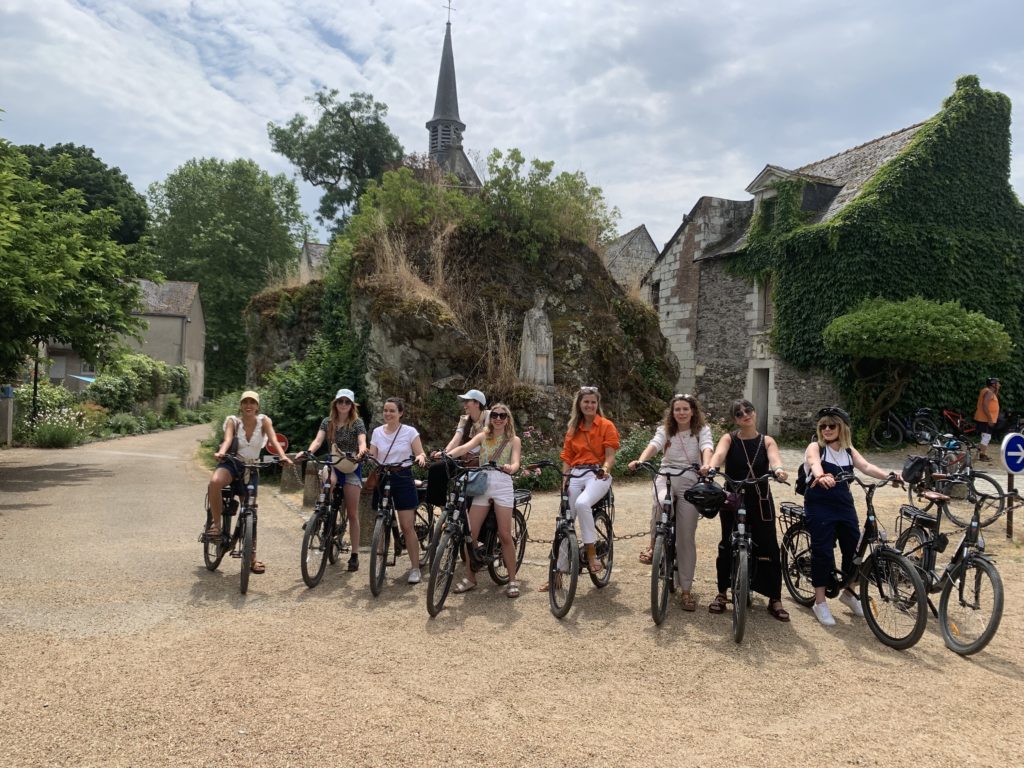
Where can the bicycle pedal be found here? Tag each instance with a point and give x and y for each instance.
(237, 555)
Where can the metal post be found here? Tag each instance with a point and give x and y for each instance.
(1009, 507)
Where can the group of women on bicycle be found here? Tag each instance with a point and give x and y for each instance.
(487, 436)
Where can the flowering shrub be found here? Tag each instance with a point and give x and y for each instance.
(60, 428)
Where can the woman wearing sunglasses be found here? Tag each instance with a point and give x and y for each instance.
(471, 424)
(499, 445)
(829, 508)
(348, 436)
(748, 454)
(685, 440)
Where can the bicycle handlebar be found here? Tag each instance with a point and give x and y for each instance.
(848, 477)
(579, 470)
(750, 481)
(668, 471)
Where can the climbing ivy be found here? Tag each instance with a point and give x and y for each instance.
(939, 221)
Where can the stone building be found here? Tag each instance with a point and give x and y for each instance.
(446, 127)
(718, 325)
(630, 256)
(312, 261)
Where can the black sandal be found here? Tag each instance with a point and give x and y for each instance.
(718, 604)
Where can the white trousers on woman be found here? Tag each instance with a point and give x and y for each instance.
(584, 492)
(686, 527)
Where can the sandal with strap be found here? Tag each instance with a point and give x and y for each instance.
(718, 604)
(512, 590)
(464, 586)
(647, 556)
(687, 601)
(779, 613)
(257, 567)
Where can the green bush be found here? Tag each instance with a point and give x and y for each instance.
(173, 412)
(152, 420)
(50, 398)
(125, 424)
(58, 429)
(136, 378)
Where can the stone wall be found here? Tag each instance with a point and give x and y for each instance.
(629, 258)
(279, 326)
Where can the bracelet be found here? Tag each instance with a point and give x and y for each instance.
(778, 469)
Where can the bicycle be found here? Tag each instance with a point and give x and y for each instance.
(445, 515)
(892, 430)
(970, 588)
(897, 613)
(239, 498)
(948, 469)
(386, 529)
(566, 557)
(456, 535)
(663, 555)
(323, 534)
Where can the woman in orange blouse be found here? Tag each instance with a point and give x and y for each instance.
(590, 442)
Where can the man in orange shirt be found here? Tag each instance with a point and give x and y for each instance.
(986, 414)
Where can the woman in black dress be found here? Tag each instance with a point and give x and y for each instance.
(747, 454)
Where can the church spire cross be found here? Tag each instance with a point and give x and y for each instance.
(450, 9)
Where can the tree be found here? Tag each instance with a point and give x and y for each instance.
(887, 341)
(67, 166)
(348, 146)
(231, 227)
(62, 277)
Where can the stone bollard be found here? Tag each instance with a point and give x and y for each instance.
(291, 478)
(311, 486)
(367, 519)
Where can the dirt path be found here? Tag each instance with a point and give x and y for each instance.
(118, 648)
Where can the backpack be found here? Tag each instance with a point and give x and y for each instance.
(914, 469)
(801, 474)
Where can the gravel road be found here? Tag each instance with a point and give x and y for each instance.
(118, 648)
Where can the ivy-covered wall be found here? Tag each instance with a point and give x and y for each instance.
(940, 220)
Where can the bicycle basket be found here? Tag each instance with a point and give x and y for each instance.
(914, 469)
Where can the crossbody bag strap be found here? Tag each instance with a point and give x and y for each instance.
(397, 431)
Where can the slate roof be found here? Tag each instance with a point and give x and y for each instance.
(172, 298)
(622, 242)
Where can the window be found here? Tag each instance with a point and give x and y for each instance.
(765, 308)
(768, 212)
(656, 294)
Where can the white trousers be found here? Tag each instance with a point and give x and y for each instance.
(584, 492)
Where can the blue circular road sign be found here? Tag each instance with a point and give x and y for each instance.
(1013, 452)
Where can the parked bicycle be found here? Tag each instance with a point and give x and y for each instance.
(893, 429)
(970, 588)
(239, 502)
(324, 531)
(566, 558)
(891, 591)
(388, 542)
(443, 516)
(664, 569)
(948, 469)
(456, 535)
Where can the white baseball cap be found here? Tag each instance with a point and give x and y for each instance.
(345, 393)
(475, 394)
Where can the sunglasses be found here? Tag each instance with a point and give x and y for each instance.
(588, 390)
(828, 426)
(739, 413)
(343, 401)
(682, 397)
(499, 415)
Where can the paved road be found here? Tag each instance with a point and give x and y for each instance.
(117, 647)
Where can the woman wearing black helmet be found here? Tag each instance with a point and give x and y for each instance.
(829, 507)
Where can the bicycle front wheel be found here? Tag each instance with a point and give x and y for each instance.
(563, 572)
(435, 535)
(661, 579)
(924, 429)
(379, 546)
(247, 548)
(964, 496)
(740, 592)
(888, 435)
(442, 569)
(213, 546)
(316, 543)
(604, 548)
(971, 606)
(423, 523)
(894, 599)
(796, 563)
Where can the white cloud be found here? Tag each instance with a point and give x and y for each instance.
(657, 104)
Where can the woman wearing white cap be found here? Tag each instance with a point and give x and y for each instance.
(349, 437)
(471, 423)
(245, 436)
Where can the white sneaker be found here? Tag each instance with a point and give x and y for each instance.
(852, 603)
(414, 576)
(821, 610)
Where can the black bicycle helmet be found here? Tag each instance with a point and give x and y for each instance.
(706, 496)
(835, 412)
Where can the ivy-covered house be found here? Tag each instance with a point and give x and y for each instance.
(743, 289)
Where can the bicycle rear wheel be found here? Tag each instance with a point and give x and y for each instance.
(971, 606)
(316, 542)
(740, 592)
(661, 579)
(247, 546)
(496, 564)
(912, 545)
(338, 537)
(924, 429)
(213, 546)
(796, 563)
(442, 569)
(604, 548)
(379, 546)
(440, 520)
(423, 523)
(964, 495)
(894, 599)
(887, 435)
(563, 572)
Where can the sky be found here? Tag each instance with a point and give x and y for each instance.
(658, 103)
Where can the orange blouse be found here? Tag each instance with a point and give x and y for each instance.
(586, 446)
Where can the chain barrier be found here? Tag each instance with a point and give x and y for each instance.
(623, 537)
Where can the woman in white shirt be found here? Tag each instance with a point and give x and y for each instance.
(685, 439)
(396, 443)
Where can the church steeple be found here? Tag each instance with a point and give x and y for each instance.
(445, 126)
